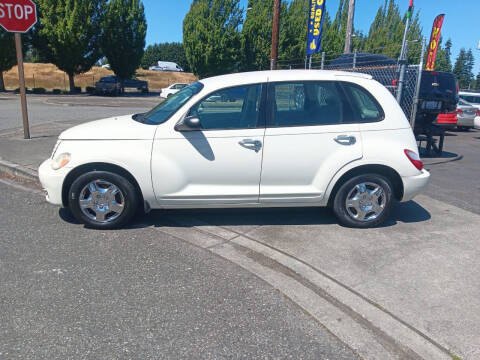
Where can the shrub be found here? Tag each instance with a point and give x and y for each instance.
(56, 91)
(77, 90)
(65, 92)
(90, 89)
(39, 90)
(17, 90)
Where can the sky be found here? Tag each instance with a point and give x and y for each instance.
(462, 25)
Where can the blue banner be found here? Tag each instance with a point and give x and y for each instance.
(315, 26)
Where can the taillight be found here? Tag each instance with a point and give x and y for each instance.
(477, 113)
(459, 111)
(414, 159)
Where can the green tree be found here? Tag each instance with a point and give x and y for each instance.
(256, 36)
(123, 39)
(387, 30)
(444, 56)
(7, 55)
(463, 68)
(173, 52)
(68, 34)
(293, 33)
(211, 36)
(477, 82)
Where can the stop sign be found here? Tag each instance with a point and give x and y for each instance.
(17, 15)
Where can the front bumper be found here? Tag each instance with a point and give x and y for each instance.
(52, 181)
(413, 185)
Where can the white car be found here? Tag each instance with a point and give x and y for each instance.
(273, 139)
(473, 98)
(166, 66)
(172, 89)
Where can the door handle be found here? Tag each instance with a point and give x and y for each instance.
(251, 144)
(345, 140)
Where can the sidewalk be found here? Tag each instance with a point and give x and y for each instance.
(23, 157)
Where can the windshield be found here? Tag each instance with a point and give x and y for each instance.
(163, 111)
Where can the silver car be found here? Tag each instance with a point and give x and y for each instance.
(466, 113)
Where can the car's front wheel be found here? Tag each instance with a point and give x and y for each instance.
(103, 200)
(364, 201)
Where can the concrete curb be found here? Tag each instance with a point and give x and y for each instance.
(369, 330)
(18, 171)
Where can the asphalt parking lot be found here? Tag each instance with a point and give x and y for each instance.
(408, 290)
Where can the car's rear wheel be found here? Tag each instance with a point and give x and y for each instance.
(364, 201)
(103, 200)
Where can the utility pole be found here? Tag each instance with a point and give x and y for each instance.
(348, 38)
(275, 31)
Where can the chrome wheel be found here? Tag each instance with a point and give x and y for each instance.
(366, 201)
(101, 201)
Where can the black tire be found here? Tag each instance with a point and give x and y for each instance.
(344, 214)
(127, 190)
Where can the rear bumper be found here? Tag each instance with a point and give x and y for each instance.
(465, 121)
(414, 185)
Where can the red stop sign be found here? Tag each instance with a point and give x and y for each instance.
(17, 15)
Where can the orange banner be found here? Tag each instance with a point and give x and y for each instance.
(434, 41)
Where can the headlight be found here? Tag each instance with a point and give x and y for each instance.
(60, 161)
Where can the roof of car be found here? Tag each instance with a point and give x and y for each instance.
(279, 75)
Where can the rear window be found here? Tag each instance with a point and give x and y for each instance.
(108, 80)
(444, 82)
(365, 106)
(472, 99)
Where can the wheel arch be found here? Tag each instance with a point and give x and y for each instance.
(390, 173)
(97, 166)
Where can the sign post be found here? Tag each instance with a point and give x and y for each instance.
(19, 16)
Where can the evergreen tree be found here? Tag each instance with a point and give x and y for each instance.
(256, 35)
(7, 55)
(469, 64)
(293, 33)
(68, 34)
(387, 30)
(477, 82)
(443, 61)
(123, 39)
(211, 37)
(463, 68)
(173, 52)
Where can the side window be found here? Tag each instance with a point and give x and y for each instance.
(365, 107)
(309, 103)
(231, 108)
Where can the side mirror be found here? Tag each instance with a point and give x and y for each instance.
(190, 123)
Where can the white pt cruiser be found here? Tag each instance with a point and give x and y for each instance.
(259, 139)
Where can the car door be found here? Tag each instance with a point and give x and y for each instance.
(310, 135)
(219, 163)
